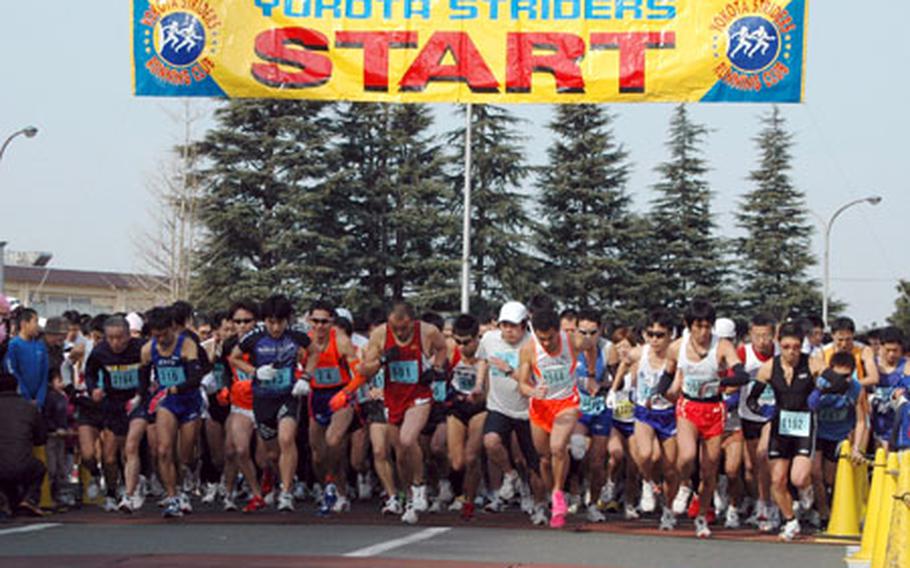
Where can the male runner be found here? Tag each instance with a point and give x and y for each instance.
(118, 382)
(401, 348)
(546, 367)
(695, 365)
(843, 331)
(274, 353)
(893, 367)
(217, 411)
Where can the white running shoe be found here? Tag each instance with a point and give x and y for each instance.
(316, 493)
(732, 518)
(210, 493)
(392, 506)
(594, 514)
(155, 487)
(574, 503)
(419, 498)
(721, 499)
(229, 504)
(186, 507)
(299, 491)
(510, 482)
(667, 520)
(457, 504)
(109, 505)
(494, 505)
(806, 499)
(701, 527)
(410, 515)
(539, 517)
(125, 505)
(790, 530)
(630, 513)
(681, 502)
(364, 487)
(648, 503)
(608, 493)
(342, 505)
(285, 502)
(445, 493)
(137, 501)
(527, 504)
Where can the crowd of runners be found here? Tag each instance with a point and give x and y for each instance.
(555, 414)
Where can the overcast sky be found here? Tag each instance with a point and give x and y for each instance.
(78, 189)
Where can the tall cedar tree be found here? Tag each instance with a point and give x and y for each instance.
(775, 254)
(391, 173)
(689, 257)
(265, 209)
(585, 238)
(901, 316)
(502, 266)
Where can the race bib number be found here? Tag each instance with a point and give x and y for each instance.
(624, 411)
(378, 380)
(439, 391)
(405, 372)
(327, 377)
(170, 376)
(465, 380)
(281, 382)
(701, 387)
(556, 378)
(124, 379)
(795, 424)
(832, 414)
(591, 404)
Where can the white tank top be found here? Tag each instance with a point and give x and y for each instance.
(700, 378)
(556, 371)
(646, 380)
(752, 365)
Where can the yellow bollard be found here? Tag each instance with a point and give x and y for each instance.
(844, 514)
(861, 479)
(884, 519)
(46, 502)
(875, 503)
(897, 554)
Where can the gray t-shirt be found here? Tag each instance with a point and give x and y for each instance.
(504, 396)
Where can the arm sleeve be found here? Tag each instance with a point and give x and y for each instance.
(194, 374)
(752, 401)
(94, 379)
(740, 377)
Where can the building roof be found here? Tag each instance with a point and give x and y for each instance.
(81, 278)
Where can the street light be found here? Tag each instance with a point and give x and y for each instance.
(873, 200)
(28, 132)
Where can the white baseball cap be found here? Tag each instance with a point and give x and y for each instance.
(513, 312)
(345, 314)
(725, 328)
(135, 321)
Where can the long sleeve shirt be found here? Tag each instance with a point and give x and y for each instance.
(28, 361)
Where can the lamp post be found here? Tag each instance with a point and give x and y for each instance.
(28, 132)
(873, 200)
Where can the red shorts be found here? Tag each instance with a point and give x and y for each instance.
(708, 417)
(399, 398)
(242, 394)
(543, 412)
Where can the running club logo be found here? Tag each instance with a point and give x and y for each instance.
(752, 44)
(180, 37)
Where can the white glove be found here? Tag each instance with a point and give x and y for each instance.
(611, 399)
(210, 384)
(266, 373)
(301, 388)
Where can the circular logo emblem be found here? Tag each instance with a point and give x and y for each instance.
(180, 38)
(754, 44)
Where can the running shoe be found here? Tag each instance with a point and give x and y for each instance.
(667, 519)
(93, 490)
(732, 518)
(790, 530)
(594, 514)
(419, 498)
(210, 493)
(467, 512)
(539, 516)
(229, 504)
(256, 503)
(648, 503)
(458, 504)
(701, 527)
(682, 499)
(392, 506)
(185, 505)
(558, 510)
(125, 505)
(494, 505)
(286, 502)
(445, 493)
(630, 512)
(364, 487)
(299, 491)
(110, 505)
(410, 514)
(329, 498)
(342, 505)
(509, 486)
(172, 509)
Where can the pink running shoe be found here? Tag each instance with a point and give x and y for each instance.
(558, 510)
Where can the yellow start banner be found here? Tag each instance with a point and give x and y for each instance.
(482, 51)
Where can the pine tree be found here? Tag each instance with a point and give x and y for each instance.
(688, 255)
(901, 316)
(582, 196)
(391, 174)
(502, 266)
(268, 227)
(775, 254)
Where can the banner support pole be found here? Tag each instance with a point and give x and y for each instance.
(466, 235)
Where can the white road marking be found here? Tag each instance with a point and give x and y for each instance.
(29, 528)
(397, 542)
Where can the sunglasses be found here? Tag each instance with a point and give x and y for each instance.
(656, 334)
(244, 321)
(320, 321)
(462, 341)
(588, 332)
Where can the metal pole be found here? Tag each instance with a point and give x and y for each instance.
(29, 132)
(466, 235)
(2, 265)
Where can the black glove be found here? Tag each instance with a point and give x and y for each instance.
(431, 375)
(664, 384)
(834, 383)
(756, 392)
(390, 354)
(740, 377)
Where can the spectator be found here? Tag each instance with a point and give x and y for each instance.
(55, 332)
(21, 428)
(55, 416)
(27, 359)
(5, 312)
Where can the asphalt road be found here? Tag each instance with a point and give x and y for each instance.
(91, 538)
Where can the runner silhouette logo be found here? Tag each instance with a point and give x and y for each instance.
(754, 44)
(180, 38)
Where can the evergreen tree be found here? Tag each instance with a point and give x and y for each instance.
(391, 174)
(268, 227)
(775, 254)
(502, 266)
(901, 316)
(582, 195)
(688, 255)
